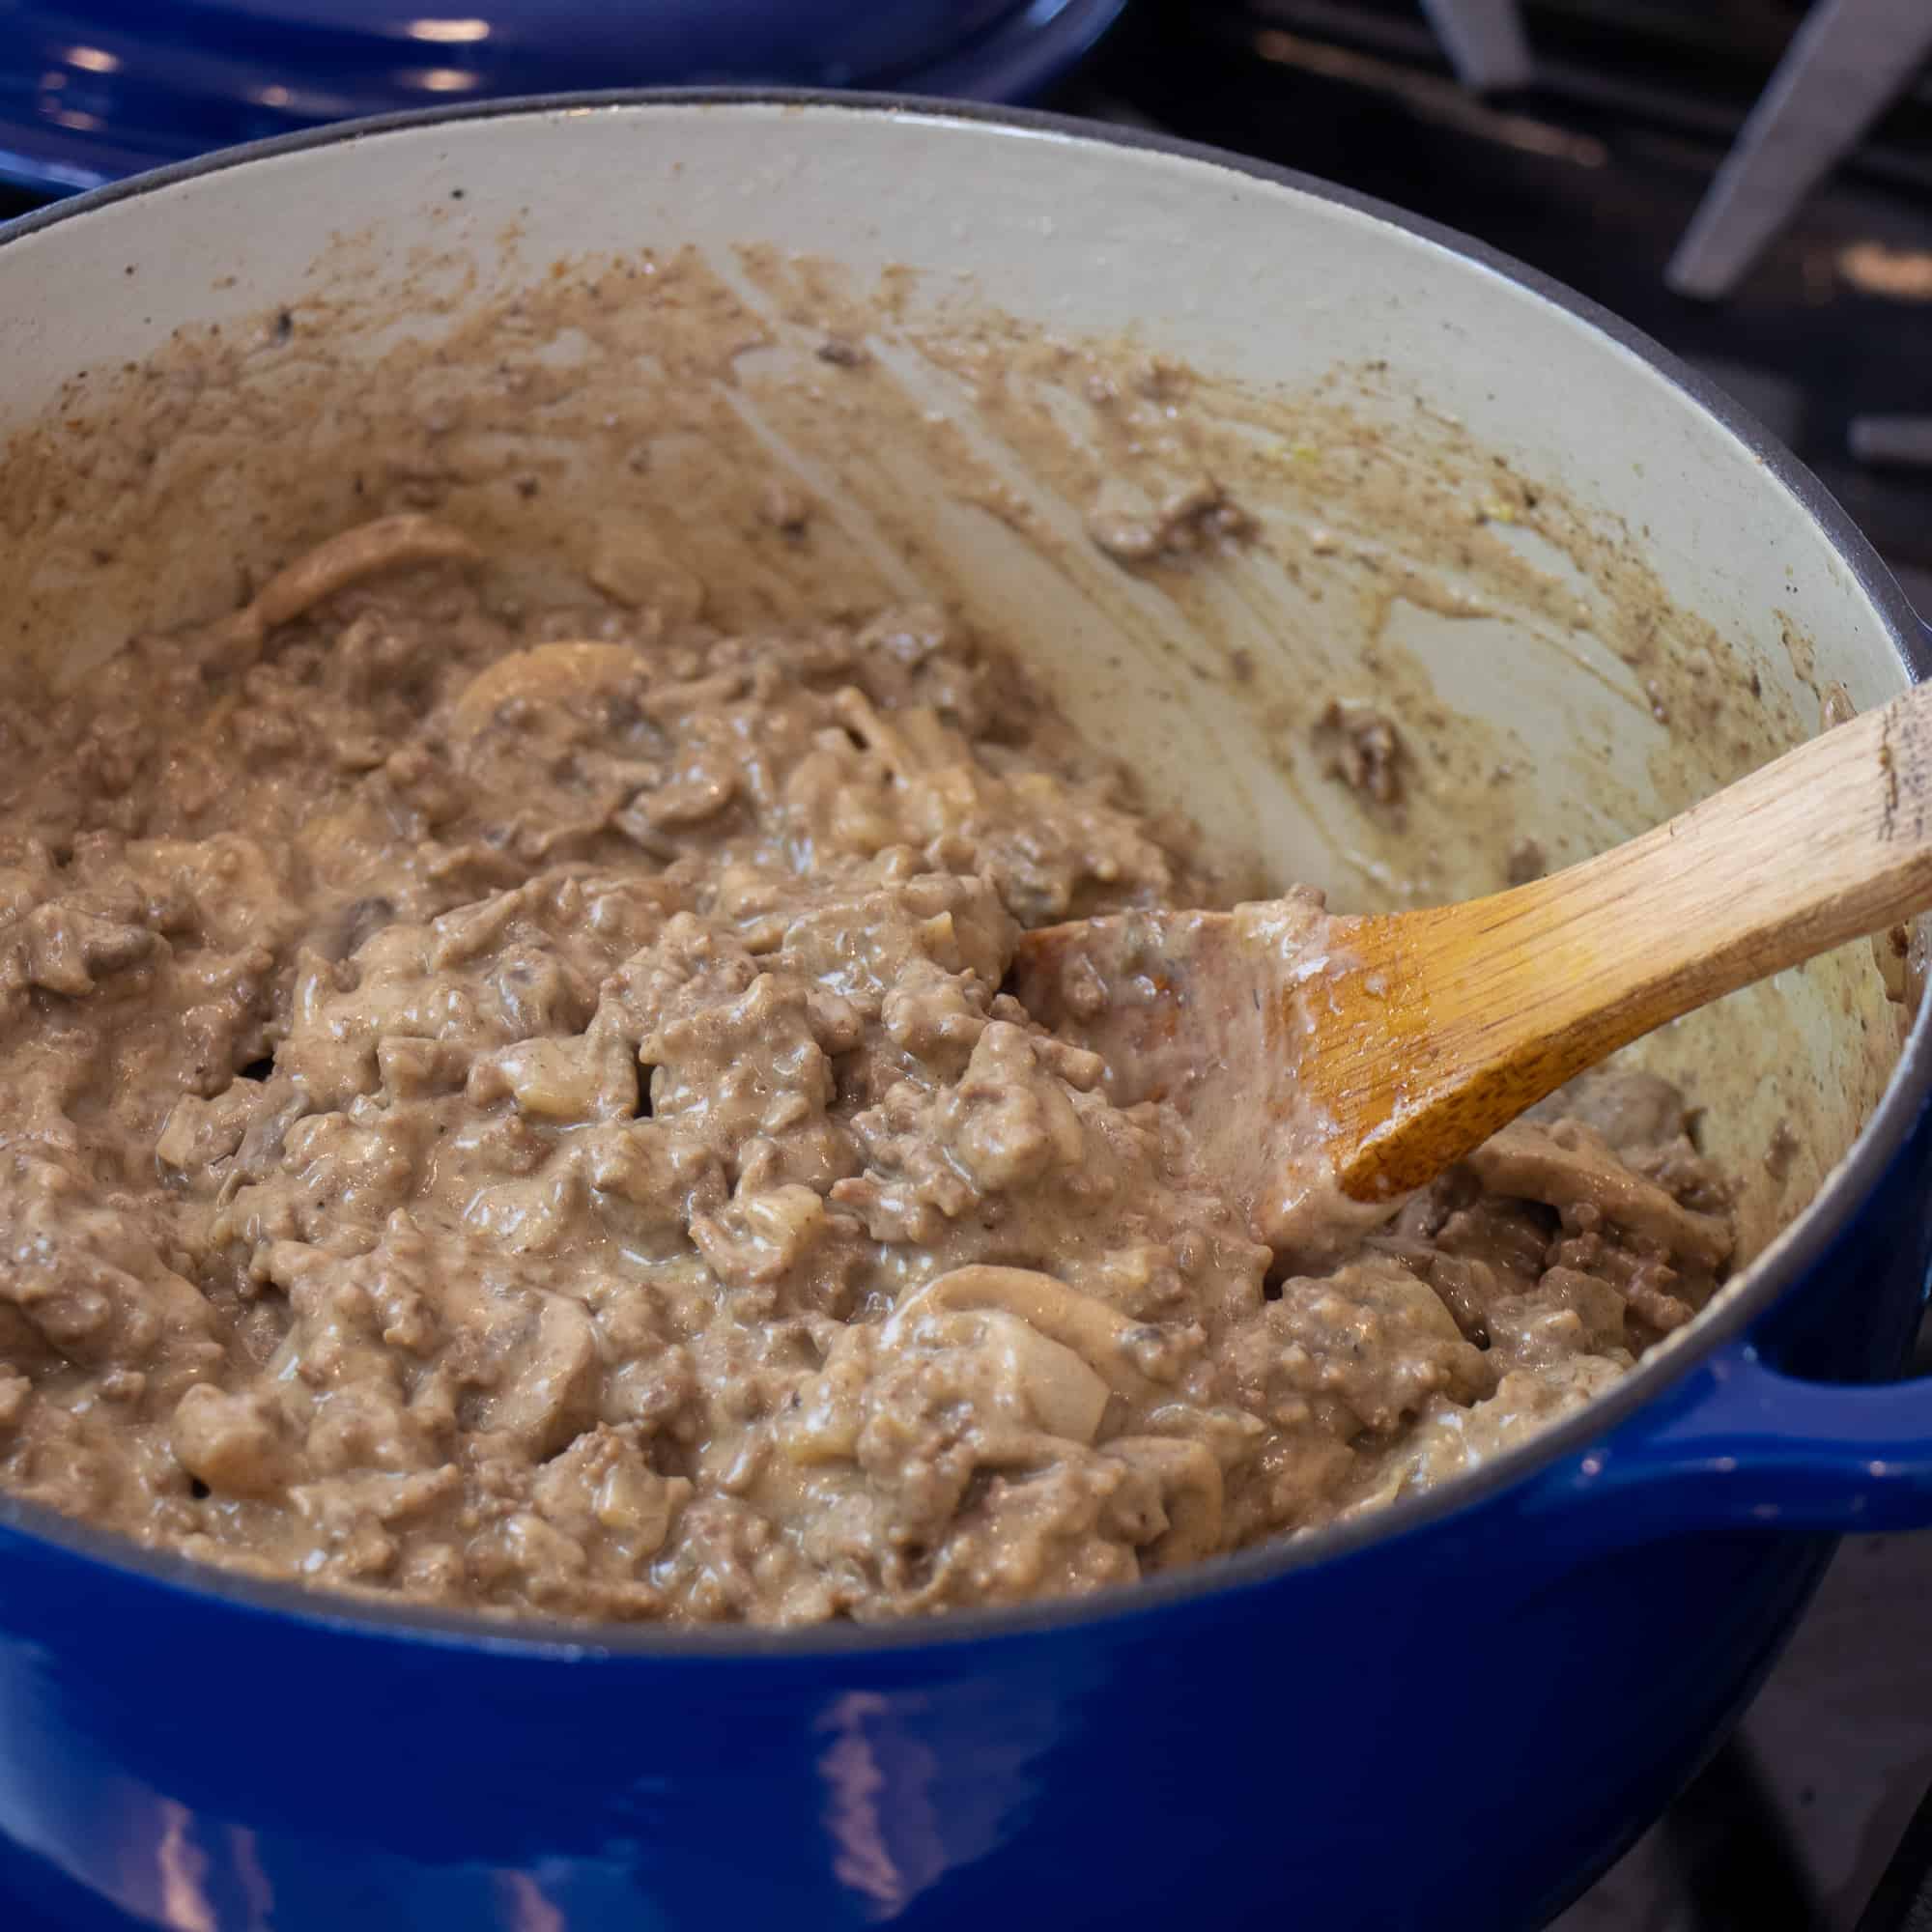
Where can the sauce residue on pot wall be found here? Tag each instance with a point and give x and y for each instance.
(612, 410)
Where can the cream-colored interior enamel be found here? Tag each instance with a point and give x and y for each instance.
(594, 336)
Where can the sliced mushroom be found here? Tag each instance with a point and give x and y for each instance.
(1096, 1333)
(559, 673)
(390, 543)
(1062, 1394)
(1569, 1165)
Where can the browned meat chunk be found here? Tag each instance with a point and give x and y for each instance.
(1360, 746)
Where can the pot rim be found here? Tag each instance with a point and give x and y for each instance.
(1797, 1251)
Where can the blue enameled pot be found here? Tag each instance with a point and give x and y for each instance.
(1452, 1714)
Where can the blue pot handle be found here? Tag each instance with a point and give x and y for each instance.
(1737, 1444)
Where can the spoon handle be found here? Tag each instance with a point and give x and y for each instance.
(1468, 1014)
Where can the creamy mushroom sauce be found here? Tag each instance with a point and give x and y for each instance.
(515, 1109)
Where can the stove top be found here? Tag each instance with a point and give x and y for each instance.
(1814, 1818)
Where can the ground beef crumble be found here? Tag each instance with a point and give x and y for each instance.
(520, 1112)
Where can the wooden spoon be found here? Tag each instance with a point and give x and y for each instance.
(1328, 1066)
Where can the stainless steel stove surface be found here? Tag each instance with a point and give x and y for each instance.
(1805, 1821)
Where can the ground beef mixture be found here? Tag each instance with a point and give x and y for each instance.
(518, 1111)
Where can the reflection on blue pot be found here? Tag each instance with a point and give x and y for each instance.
(92, 93)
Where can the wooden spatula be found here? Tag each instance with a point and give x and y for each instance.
(1330, 1065)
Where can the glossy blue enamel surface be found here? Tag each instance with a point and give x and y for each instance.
(1341, 1759)
(94, 90)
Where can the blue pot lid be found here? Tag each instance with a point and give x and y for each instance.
(92, 92)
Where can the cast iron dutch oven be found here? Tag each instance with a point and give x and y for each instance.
(1452, 1713)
